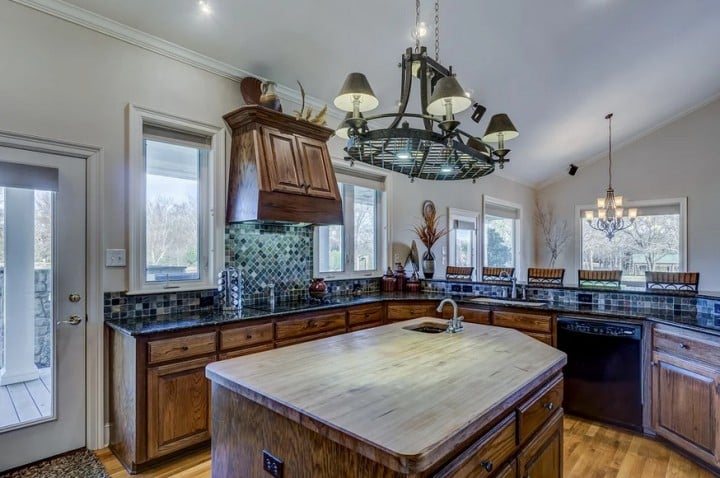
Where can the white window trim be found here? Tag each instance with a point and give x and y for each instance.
(465, 214)
(518, 255)
(212, 220)
(681, 202)
(384, 232)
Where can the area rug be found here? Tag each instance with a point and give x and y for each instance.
(80, 463)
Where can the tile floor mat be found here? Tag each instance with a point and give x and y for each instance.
(80, 463)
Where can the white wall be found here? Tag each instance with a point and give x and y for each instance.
(407, 199)
(65, 82)
(681, 159)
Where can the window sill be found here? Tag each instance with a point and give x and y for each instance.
(171, 290)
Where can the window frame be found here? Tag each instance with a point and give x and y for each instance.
(211, 199)
(382, 224)
(680, 202)
(468, 216)
(517, 236)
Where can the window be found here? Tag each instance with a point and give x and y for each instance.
(355, 249)
(655, 242)
(462, 238)
(500, 233)
(175, 236)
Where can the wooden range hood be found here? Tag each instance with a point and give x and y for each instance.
(280, 170)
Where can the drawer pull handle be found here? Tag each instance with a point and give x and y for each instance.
(487, 464)
(184, 348)
(248, 336)
(683, 346)
(549, 406)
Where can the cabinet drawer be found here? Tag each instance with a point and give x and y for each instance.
(309, 325)
(245, 351)
(544, 338)
(410, 311)
(484, 457)
(365, 314)
(245, 336)
(686, 344)
(474, 316)
(180, 347)
(515, 320)
(534, 412)
(368, 325)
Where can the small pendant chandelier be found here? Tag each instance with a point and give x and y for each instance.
(611, 216)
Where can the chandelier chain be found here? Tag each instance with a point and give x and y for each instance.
(417, 26)
(609, 118)
(437, 31)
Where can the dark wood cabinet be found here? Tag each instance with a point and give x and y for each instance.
(538, 325)
(280, 169)
(686, 391)
(469, 314)
(404, 310)
(365, 316)
(542, 457)
(178, 406)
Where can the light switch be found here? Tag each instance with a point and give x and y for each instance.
(115, 258)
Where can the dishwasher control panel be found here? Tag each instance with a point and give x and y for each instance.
(600, 328)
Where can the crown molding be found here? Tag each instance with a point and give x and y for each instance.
(93, 21)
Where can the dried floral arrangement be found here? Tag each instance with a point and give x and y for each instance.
(429, 231)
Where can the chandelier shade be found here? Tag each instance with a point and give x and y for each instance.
(611, 216)
(434, 147)
(356, 91)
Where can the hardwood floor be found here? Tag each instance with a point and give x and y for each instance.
(591, 451)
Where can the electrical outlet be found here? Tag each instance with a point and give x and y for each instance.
(272, 464)
(115, 258)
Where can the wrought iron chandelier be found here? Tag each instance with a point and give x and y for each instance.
(611, 216)
(439, 150)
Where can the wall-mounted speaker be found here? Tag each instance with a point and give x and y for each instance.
(573, 169)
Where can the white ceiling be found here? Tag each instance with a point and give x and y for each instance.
(555, 66)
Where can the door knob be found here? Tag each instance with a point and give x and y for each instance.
(73, 320)
(74, 297)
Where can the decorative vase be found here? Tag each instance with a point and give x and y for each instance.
(413, 285)
(318, 288)
(428, 264)
(269, 97)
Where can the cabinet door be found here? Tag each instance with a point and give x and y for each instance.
(319, 177)
(178, 406)
(542, 457)
(282, 161)
(685, 405)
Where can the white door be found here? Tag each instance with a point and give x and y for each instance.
(42, 305)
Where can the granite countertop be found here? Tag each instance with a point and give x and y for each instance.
(175, 322)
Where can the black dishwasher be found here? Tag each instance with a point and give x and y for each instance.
(603, 375)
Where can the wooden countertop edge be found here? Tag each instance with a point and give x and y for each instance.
(415, 463)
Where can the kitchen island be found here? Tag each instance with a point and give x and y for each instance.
(390, 402)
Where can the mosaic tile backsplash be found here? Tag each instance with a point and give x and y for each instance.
(271, 254)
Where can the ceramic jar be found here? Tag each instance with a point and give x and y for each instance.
(413, 284)
(318, 287)
(400, 277)
(388, 281)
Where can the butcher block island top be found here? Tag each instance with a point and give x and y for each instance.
(406, 400)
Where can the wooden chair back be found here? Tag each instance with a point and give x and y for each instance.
(545, 277)
(492, 274)
(588, 278)
(458, 273)
(672, 281)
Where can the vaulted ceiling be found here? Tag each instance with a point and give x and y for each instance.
(555, 66)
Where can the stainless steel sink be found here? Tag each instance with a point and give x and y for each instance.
(427, 328)
(518, 303)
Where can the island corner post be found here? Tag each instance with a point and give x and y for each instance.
(391, 402)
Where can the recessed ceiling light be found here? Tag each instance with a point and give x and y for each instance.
(205, 7)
